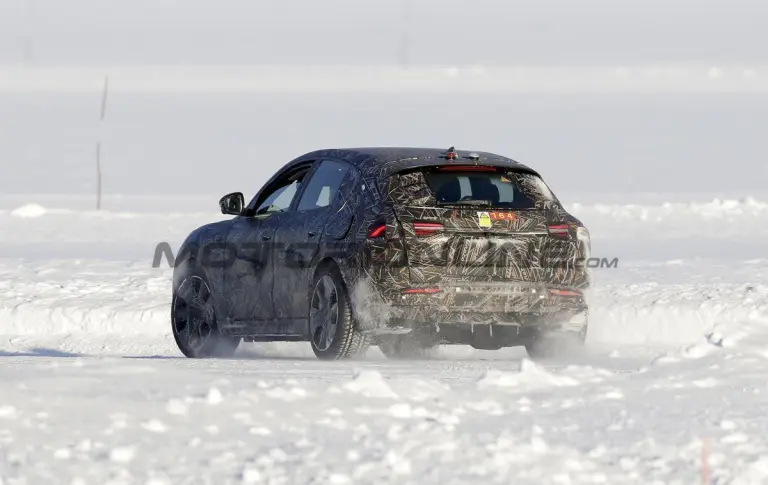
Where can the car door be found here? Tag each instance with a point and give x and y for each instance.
(248, 280)
(300, 239)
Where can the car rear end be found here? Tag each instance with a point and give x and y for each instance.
(479, 243)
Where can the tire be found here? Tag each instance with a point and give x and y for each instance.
(549, 346)
(334, 334)
(192, 303)
(404, 347)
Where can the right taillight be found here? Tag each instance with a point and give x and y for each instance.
(560, 231)
(422, 291)
(559, 292)
(424, 229)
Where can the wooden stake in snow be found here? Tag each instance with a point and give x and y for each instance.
(98, 144)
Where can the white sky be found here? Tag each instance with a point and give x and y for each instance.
(354, 31)
(217, 143)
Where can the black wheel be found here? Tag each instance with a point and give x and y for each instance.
(333, 331)
(193, 319)
(555, 344)
(405, 346)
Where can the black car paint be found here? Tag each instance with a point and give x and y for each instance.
(263, 291)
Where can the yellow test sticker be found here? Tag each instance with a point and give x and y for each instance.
(484, 219)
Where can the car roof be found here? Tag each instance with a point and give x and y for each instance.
(382, 162)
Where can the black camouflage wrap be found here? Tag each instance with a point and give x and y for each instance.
(261, 269)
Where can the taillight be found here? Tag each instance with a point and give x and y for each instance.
(467, 168)
(423, 229)
(560, 231)
(421, 291)
(376, 230)
(557, 292)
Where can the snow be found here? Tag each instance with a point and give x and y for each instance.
(530, 376)
(670, 388)
(386, 78)
(29, 210)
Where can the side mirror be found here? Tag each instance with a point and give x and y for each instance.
(232, 204)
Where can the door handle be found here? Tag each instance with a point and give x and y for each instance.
(266, 237)
(311, 234)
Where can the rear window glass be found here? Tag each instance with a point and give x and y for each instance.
(513, 190)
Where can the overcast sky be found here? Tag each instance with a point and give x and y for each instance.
(216, 143)
(370, 31)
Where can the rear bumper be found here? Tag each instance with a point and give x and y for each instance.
(518, 304)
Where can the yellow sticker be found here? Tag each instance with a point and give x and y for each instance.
(484, 219)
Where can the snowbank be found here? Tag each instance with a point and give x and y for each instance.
(77, 298)
(29, 211)
(717, 218)
(73, 281)
(123, 301)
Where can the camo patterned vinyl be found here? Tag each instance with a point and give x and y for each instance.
(501, 274)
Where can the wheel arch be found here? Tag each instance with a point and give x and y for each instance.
(324, 264)
(187, 263)
(350, 276)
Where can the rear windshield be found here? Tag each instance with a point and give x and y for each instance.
(513, 190)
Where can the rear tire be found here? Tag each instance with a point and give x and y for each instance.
(193, 319)
(334, 334)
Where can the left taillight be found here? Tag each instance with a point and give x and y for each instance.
(377, 230)
(424, 229)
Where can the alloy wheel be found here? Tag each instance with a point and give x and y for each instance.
(324, 313)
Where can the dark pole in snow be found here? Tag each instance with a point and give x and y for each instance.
(104, 96)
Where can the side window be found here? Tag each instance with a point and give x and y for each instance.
(280, 199)
(323, 185)
(281, 193)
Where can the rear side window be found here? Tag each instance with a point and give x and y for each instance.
(513, 190)
(323, 185)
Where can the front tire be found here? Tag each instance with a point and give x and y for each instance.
(193, 320)
(334, 334)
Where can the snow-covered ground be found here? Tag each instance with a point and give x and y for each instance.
(671, 388)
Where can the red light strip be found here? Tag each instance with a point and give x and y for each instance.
(557, 292)
(560, 230)
(421, 291)
(377, 231)
(427, 228)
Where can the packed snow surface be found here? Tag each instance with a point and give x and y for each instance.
(670, 389)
